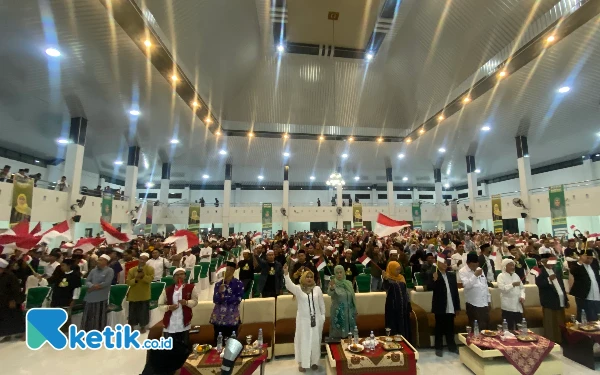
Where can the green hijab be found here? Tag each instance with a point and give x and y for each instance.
(343, 283)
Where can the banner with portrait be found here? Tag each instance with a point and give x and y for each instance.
(454, 213)
(558, 210)
(357, 216)
(497, 213)
(194, 219)
(416, 215)
(106, 206)
(22, 199)
(267, 219)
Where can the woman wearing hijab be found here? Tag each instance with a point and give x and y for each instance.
(343, 304)
(21, 211)
(397, 304)
(309, 319)
(512, 294)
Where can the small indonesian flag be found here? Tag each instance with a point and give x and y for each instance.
(535, 271)
(27, 258)
(552, 261)
(221, 269)
(183, 239)
(364, 260)
(573, 227)
(257, 236)
(386, 225)
(441, 258)
(61, 230)
(320, 264)
(113, 236)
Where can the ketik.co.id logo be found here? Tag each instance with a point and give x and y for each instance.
(43, 325)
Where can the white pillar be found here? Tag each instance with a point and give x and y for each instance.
(391, 198)
(329, 195)
(238, 194)
(588, 169)
(415, 195)
(163, 197)
(285, 204)
(101, 182)
(226, 200)
(186, 194)
(130, 190)
(374, 195)
(484, 189)
(439, 204)
(472, 190)
(525, 184)
(340, 218)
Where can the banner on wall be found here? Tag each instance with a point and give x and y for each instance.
(106, 206)
(558, 210)
(357, 215)
(497, 213)
(194, 219)
(454, 213)
(267, 219)
(22, 199)
(416, 215)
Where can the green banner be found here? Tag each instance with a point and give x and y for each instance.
(267, 219)
(558, 210)
(22, 198)
(454, 213)
(357, 215)
(194, 218)
(497, 213)
(416, 215)
(106, 205)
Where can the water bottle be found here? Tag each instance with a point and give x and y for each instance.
(356, 338)
(220, 343)
(372, 343)
(583, 317)
(233, 336)
(524, 326)
(476, 329)
(260, 338)
(504, 326)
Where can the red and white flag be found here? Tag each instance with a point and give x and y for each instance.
(183, 239)
(113, 236)
(364, 260)
(37, 229)
(221, 269)
(386, 225)
(61, 230)
(535, 271)
(87, 244)
(257, 237)
(320, 264)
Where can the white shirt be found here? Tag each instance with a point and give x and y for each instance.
(594, 294)
(475, 288)
(189, 261)
(83, 267)
(62, 186)
(490, 273)
(49, 268)
(509, 294)
(455, 258)
(159, 264)
(205, 251)
(561, 295)
(176, 322)
(449, 303)
(545, 250)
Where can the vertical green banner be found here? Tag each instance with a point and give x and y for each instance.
(194, 218)
(106, 206)
(416, 215)
(22, 197)
(357, 215)
(454, 214)
(558, 210)
(267, 219)
(497, 213)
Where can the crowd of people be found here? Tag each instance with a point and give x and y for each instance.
(291, 263)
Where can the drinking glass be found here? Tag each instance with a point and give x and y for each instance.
(249, 340)
(388, 331)
(349, 338)
(468, 330)
(519, 326)
(499, 328)
(573, 319)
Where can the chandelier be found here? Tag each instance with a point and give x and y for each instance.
(335, 179)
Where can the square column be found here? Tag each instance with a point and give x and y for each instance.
(164, 183)
(374, 195)
(390, 191)
(340, 218)
(73, 165)
(588, 169)
(525, 183)
(286, 197)
(472, 190)
(131, 176)
(226, 199)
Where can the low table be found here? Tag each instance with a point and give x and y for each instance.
(399, 362)
(578, 345)
(492, 361)
(210, 363)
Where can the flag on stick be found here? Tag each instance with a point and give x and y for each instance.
(386, 225)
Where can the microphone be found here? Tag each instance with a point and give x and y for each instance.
(233, 349)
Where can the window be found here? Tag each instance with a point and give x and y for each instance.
(479, 192)
(404, 196)
(463, 195)
(381, 196)
(175, 195)
(428, 196)
(362, 196)
(148, 196)
(449, 197)
(345, 196)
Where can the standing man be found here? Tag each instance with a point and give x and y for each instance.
(12, 320)
(302, 265)
(271, 275)
(553, 298)
(349, 267)
(477, 295)
(512, 294)
(139, 279)
(486, 263)
(205, 256)
(586, 281)
(159, 264)
(246, 266)
(459, 258)
(330, 263)
(378, 264)
(444, 304)
(98, 282)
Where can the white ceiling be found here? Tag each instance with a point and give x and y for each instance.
(226, 51)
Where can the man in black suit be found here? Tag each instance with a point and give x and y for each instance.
(444, 304)
(586, 283)
(270, 281)
(487, 263)
(553, 297)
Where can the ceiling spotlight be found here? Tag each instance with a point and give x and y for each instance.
(400, 156)
(369, 56)
(441, 117)
(486, 128)
(36, 161)
(118, 162)
(596, 156)
(526, 155)
(286, 136)
(446, 186)
(356, 178)
(196, 104)
(149, 184)
(52, 52)
(218, 132)
(564, 89)
(174, 77)
(550, 39)
(134, 112)
(250, 134)
(62, 141)
(379, 139)
(174, 141)
(421, 131)
(408, 189)
(442, 150)
(260, 177)
(208, 120)
(286, 154)
(350, 139)
(312, 178)
(466, 99)
(502, 74)
(321, 138)
(344, 156)
(223, 152)
(280, 48)
(404, 178)
(147, 43)
(477, 170)
(205, 176)
(408, 140)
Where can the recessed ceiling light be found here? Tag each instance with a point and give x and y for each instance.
(62, 141)
(286, 136)
(421, 131)
(477, 170)
(208, 120)
(134, 112)
(356, 178)
(147, 43)
(379, 139)
(564, 89)
(550, 39)
(205, 176)
(502, 74)
(442, 150)
(526, 155)
(369, 56)
(174, 141)
(312, 178)
(260, 177)
(466, 99)
(441, 117)
(446, 186)
(36, 161)
(174, 77)
(405, 178)
(223, 152)
(596, 156)
(196, 104)
(218, 132)
(286, 154)
(400, 156)
(350, 139)
(321, 138)
(408, 189)
(344, 156)
(250, 134)
(486, 128)
(52, 52)
(280, 48)
(408, 140)
(118, 162)
(149, 184)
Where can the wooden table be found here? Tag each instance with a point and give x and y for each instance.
(578, 345)
(493, 362)
(210, 364)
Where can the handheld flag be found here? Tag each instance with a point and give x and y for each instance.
(364, 260)
(183, 239)
(386, 225)
(113, 236)
(320, 264)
